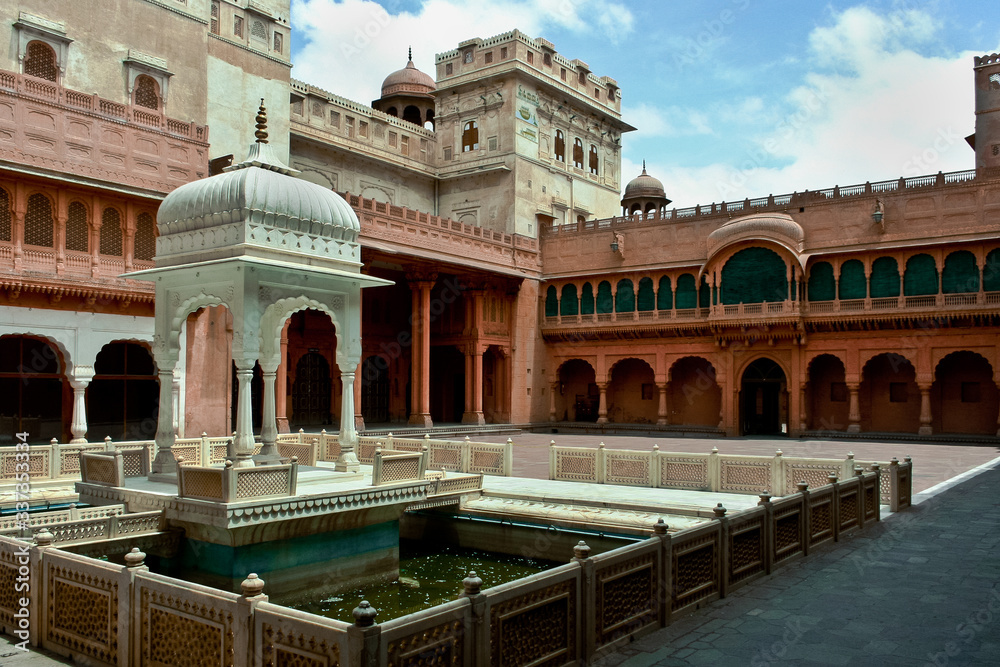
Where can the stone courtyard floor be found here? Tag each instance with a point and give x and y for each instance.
(920, 588)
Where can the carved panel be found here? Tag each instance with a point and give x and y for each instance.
(181, 631)
(746, 550)
(695, 569)
(626, 598)
(536, 629)
(440, 646)
(257, 483)
(746, 476)
(83, 612)
(821, 520)
(290, 649)
(787, 540)
(848, 510)
(683, 473)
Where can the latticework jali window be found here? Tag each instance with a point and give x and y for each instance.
(38, 221)
(40, 61)
(238, 26)
(146, 94)
(215, 18)
(145, 238)
(278, 42)
(111, 232)
(77, 233)
(258, 30)
(4, 215)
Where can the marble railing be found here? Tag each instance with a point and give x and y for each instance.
(723, 473)
(571, 614)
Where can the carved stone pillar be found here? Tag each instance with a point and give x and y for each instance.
(420, 352)
(853, 409)
(281, 387)
(552, 401)
(803, 413)
(602, 406)
(662, 412)
(164, 463)
(82, 375)
(243, 442)
(925, 409)
(348, 437)
(269, 422)
(474, 382)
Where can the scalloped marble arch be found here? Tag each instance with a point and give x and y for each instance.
(273, 321)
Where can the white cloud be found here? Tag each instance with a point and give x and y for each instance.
(352, 44)
(672, 121)
(873, 108)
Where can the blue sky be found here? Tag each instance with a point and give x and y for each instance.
(732, 98)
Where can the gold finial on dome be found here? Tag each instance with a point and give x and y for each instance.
(410, 55)
(261, 119)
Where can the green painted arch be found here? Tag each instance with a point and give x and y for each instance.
(645, 298)
(822, 286)
(991, 272)
(960, 274)
(664, 296)
(853, 284)
(587, 299)
(687, 295)
(920, 277)
(551, 302)
(885, 278)
(605, 302)
(704, 293)
(624, 296)
(754, 275)
(568, 303)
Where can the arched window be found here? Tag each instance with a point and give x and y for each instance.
(40, 61)
(587, 300)
(921, 276)
(123, 398)
(605, 302)
(821, 286)
(885, 278)
(754, 275)
(38, 221)
(578, 154)
(704, 293)
(214, 25)
(111, 232)
(470, 137)
(991, 272)
(593, 159)
(664, 298)
(960, 273)
(145, 238)
(77, 228)
(147, 92)
(852, 280)
(687, 295)
(645, 299)
(568, 302)
(31, 384)
(624, 297)
(5, 216)
(551, 302)
(547, 59)
(560, 146)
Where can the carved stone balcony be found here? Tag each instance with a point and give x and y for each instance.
(45, 127)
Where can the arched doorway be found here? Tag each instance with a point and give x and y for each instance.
(447, 384)
(763, 402)
(579, 397)
(964, 396)
(123, 398)
(695, 396)
(375, 390)
(311, 391)
(632, 395)
(889, 395)
(32, 391)
(829, 406)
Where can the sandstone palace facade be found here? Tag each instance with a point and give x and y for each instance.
(533, 282)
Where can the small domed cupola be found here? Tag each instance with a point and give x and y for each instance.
(644, 194)
(408, 93)
(256, 208)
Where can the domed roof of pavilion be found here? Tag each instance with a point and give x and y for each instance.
(255, 203)
(644, 186)
(408, 80)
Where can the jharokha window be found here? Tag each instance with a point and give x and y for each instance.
(147, 93)
(5, 216)
(40, 61)
(578, 154)
(145, 237)
(593, 159)
(38, 221)
(470, 137)
(77, 229)
(111, 232)
(560, 146)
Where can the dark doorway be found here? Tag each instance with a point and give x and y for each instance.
(311, 391)
(762, 399)
(256, 397)
(31, 390)
(447, 384)
(123, 399)
(375, 390)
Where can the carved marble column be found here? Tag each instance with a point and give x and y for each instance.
(164, 463)
(82, 375)
(602, 405)
(348, 437)
(925, 409)
(269, 422)
(243, 441)
(854, 409)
